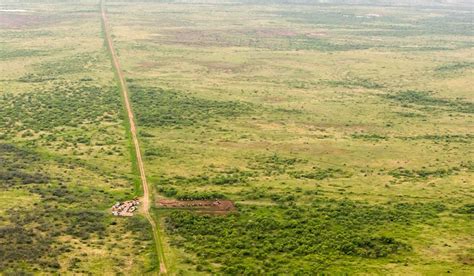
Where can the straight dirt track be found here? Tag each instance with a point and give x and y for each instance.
(141, 168)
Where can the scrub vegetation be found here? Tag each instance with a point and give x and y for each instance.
(341, 130)
(64, 157)
(297, 239)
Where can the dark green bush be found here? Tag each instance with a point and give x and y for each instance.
(165, 108)
(318, 236)
(466, 209)
(320, 174)
(424, 98)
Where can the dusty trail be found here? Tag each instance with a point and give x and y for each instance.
(141, 168)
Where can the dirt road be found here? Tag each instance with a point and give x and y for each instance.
(141, 168)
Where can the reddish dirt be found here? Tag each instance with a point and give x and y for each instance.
(226, 67)
(204, 206)
(19, 20)
(275, 32)
(148, 64)
(221, 37)
(133, 132)
(466, 260)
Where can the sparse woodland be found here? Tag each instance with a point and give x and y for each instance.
(340, 131)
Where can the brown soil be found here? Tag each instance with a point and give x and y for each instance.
(19, 20)
(33, 20)
(133, 132)
(466, 260)
(221, 66)
(221, 37)
(148, 64)
(275, 32)
(204, 206)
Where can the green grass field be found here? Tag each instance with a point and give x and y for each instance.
(64, 155)
(343, 132)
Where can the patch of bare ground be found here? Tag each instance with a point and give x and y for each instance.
(466, 259)
(274, 32)
(222, 37)
(25, 20)
(202, 206)
(220, 66)
(148, 65)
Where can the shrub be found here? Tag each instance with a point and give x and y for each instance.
(165, 108)
(272, 238)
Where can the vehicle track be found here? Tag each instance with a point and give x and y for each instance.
(141, 168)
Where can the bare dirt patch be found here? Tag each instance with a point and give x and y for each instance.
(466, 259)
(221, 66)
(203, 206)
(274, 32)
(148, 65)
(16, 20)
(222, 37)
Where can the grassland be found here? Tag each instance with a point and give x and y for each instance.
(64, 153)
(342, 132)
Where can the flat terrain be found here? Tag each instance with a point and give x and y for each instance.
(64, 152)
(145, 199)
(344, 133)
(341, 134)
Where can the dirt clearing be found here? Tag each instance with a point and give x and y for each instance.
(204, 206)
